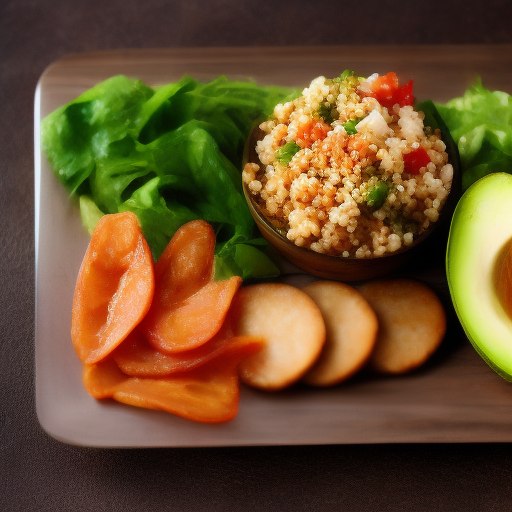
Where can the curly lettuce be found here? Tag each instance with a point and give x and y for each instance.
(170, 155)
(480, 122)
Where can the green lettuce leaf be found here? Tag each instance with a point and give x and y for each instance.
(243, 257)
(77, 134)
(169, 154)
(480, 122)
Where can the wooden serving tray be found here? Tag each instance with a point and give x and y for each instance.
(454, 398)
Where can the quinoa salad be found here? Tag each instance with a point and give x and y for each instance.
(349, 169)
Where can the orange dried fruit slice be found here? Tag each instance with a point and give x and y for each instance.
(188, 324)
(208, 394)
(114, 288)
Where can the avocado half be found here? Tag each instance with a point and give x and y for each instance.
(478, 268)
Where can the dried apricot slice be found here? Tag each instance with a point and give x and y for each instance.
(192, 322)
(114, 288)
(138, 358)
(188, 307)
(186, 264)
(208, 394)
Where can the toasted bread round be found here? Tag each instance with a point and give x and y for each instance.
(412, 323)
(351, 331)
(291, 325)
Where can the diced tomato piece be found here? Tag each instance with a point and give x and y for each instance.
(312, 131)
(415, 160)
(404, 94)
(387, 91)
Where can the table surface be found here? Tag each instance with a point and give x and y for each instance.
(39, 473)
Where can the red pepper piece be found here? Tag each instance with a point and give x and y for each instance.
(404, 94)
(415, 160)
(387, 91)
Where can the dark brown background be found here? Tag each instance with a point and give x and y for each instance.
(39, 473)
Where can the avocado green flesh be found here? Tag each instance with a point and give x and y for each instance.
(481, 227)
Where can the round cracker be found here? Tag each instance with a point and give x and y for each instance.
(351, 330)
(291, 325)
(412, 323)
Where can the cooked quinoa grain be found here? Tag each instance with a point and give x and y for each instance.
(349, 169)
